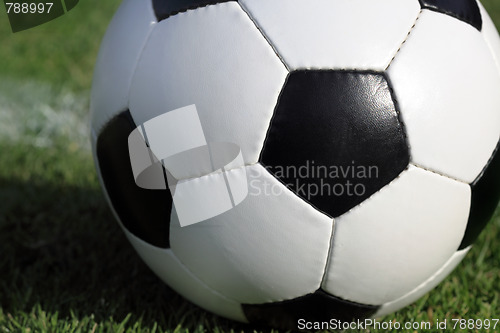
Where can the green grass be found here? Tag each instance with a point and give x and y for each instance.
(61, 52)
(493, 7)
(65, 265)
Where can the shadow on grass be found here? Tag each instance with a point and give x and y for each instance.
(61, 249)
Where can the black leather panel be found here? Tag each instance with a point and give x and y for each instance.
(465, 10)
(145, 213)
(166, 8)
(336, 138)
(317, 307)
(485, 198)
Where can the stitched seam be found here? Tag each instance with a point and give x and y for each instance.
(438, 173)
(483, 11)
(349, 71)
(341, 70)
(404, 41)
(203, 283)
(176, 258)
(430, 279)
(245, 166)
(218, 172)
(329, 257)
(108, 119)
(189, 8)
(380, 190)
(194, 276)
(373, 308)
(261, 30)
(265, 144)
(487, 165)
(399, 114)
(269, 125)
(492, 52)
(298, 196)
(271, 121)
(354, 71)
(405, 136)
(462, 18)
(143, 47)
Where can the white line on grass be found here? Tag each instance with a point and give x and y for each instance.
(38, 114)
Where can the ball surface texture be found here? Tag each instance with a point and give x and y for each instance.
(357, 142)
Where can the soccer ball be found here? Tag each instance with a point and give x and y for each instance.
(352, 148)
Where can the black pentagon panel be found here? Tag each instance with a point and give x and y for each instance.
(166, 8)
(336, 138)
(485, 198)
(145, 213)
(464, 10)
(316, 307)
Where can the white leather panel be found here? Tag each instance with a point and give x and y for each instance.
(339, 34)
(215, 58)
(394, 241)
(425, 287)
(490, 34)
(166, 266)
(117, 59)
(447, 89)
(271, 247)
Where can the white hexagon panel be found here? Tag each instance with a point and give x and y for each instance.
(121, 47)
(283, 253)
(215, 58)
(392, 242)
(342, 34)
(448, 96)
(205, 112)
(490, 34)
